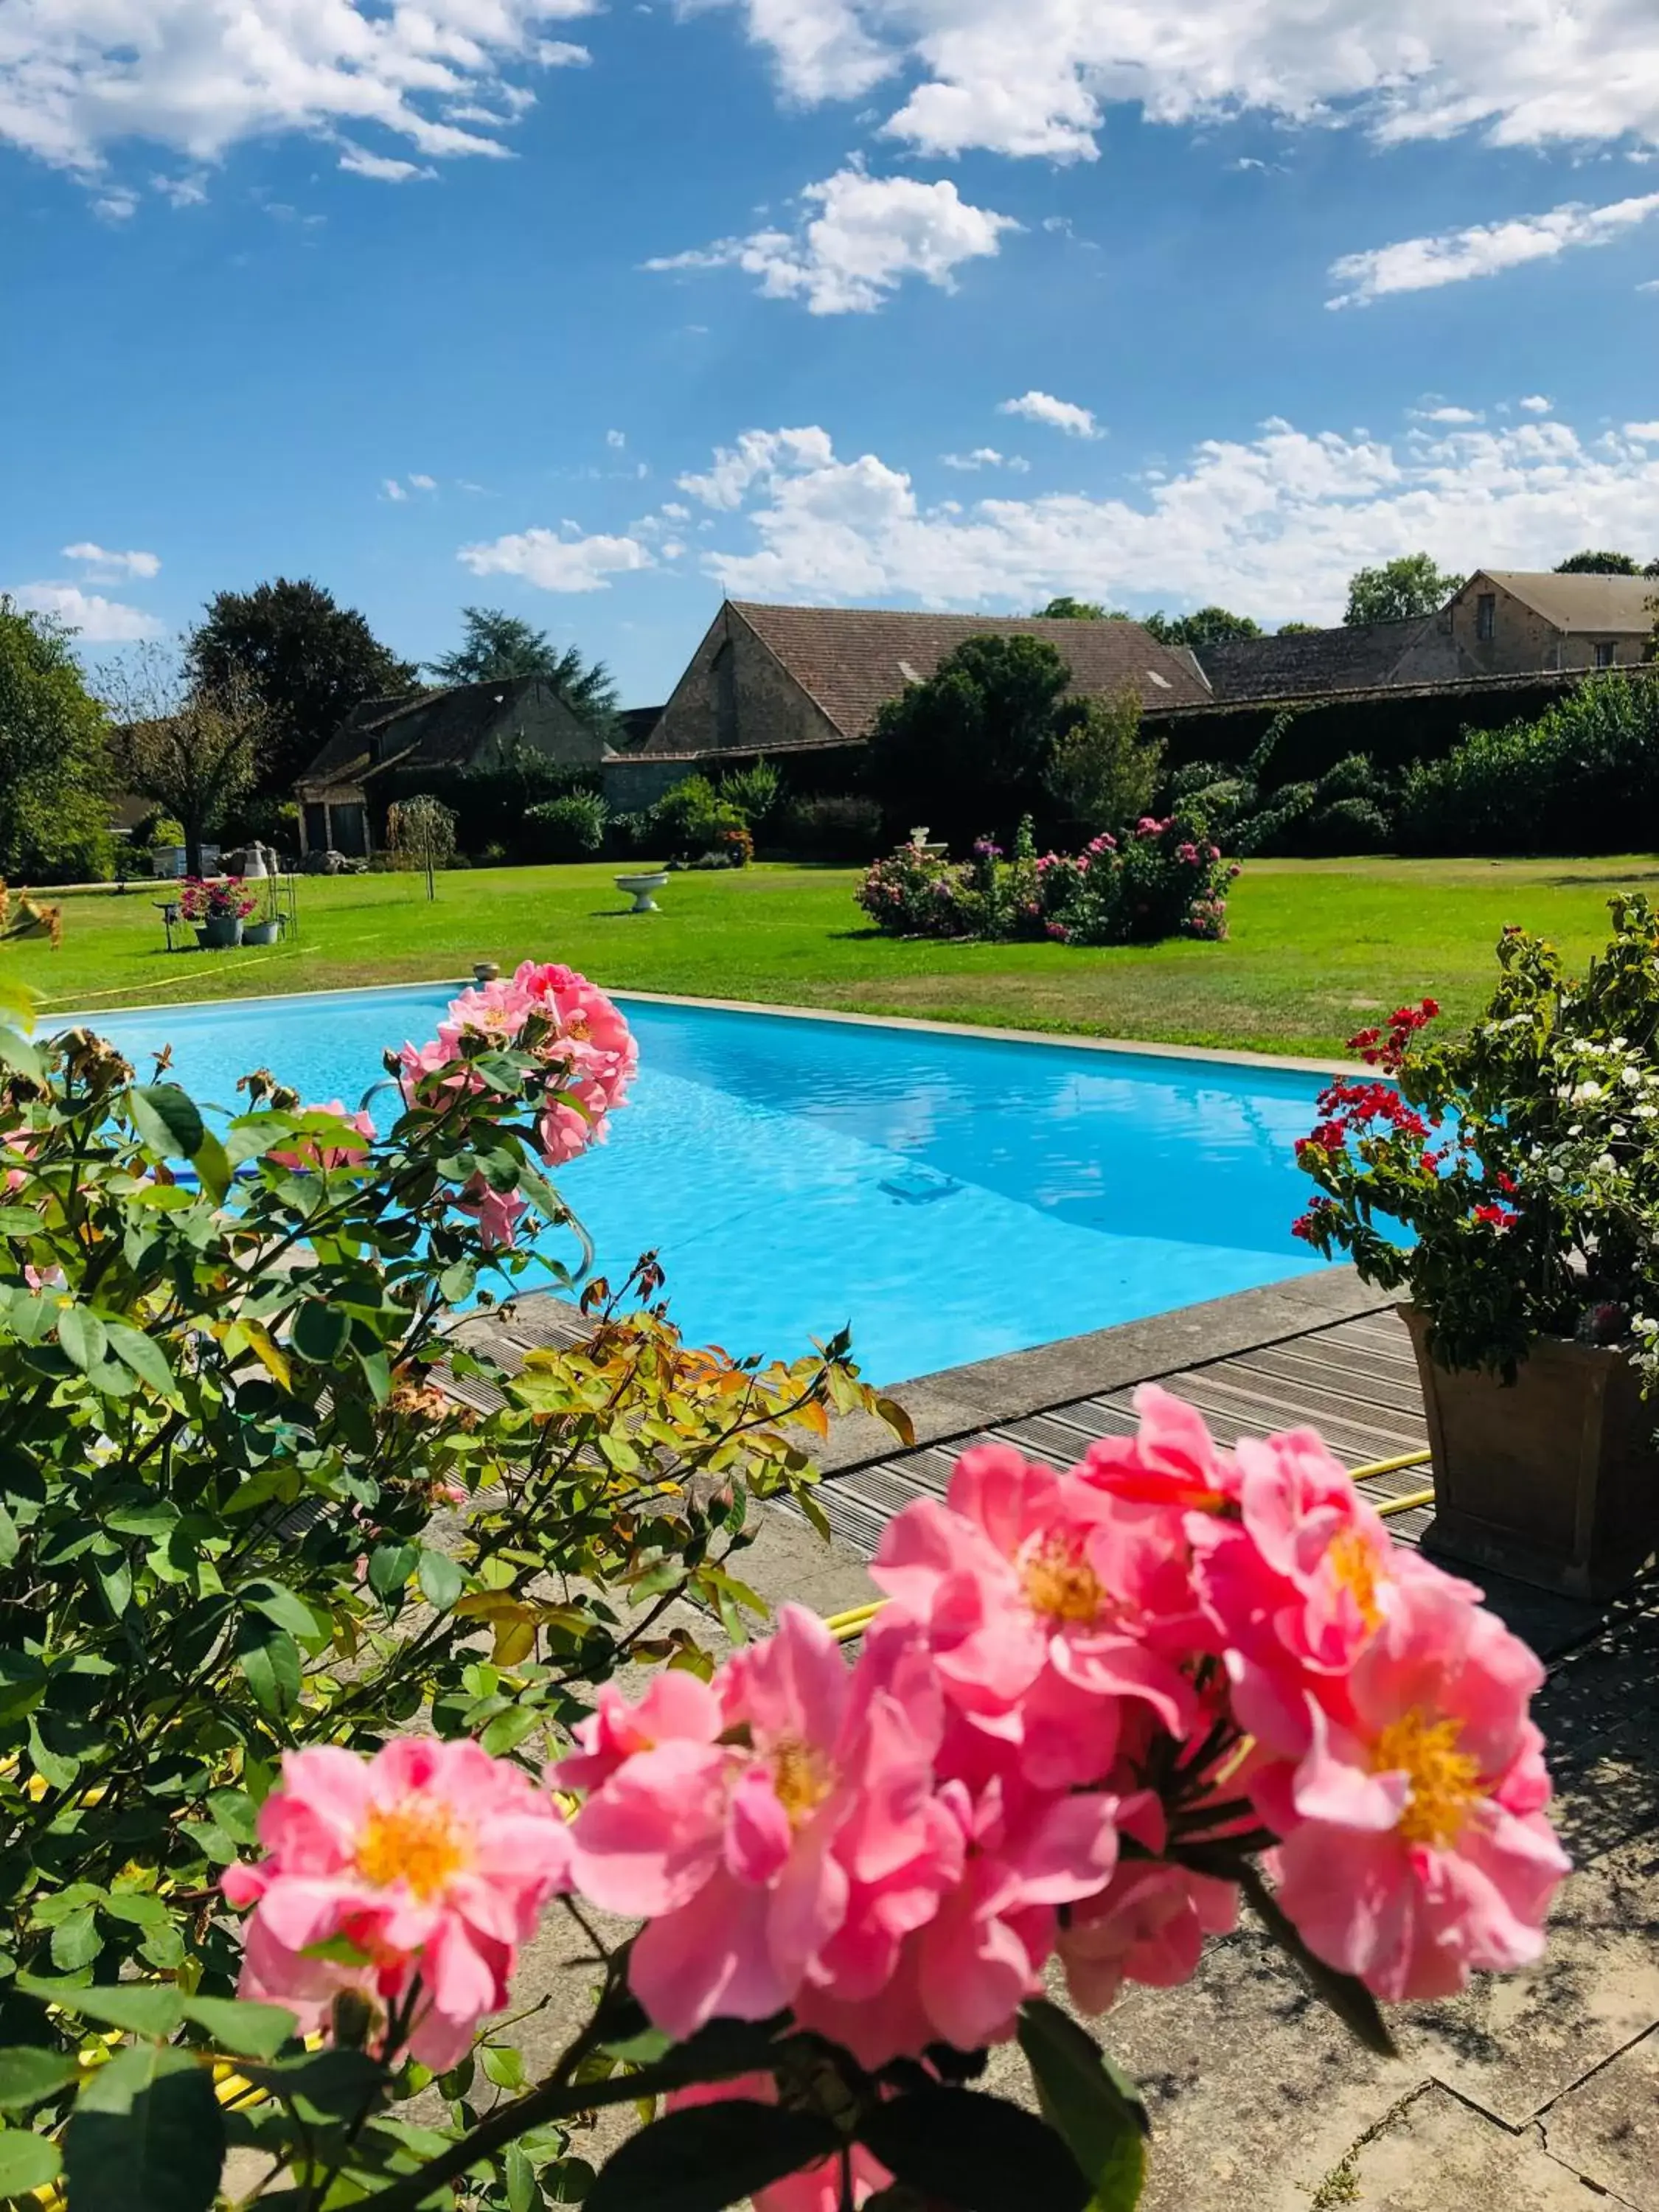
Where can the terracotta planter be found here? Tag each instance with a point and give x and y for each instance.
(1553, 1479)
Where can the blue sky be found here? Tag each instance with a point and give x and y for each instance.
(958, 302)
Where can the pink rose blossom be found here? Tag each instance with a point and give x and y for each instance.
(817, 2189)
(497, 1212)
(1037, 1597)
(1416, 1849)
(432, 1859)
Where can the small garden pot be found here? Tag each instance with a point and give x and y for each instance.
(261, 932)
(218, 931)
(1553, 1478)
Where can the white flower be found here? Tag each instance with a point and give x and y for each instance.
(1584, 1094)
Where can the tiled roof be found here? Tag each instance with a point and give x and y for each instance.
(1624, 604)
(439, 729)
(851, 659)
(1308, 664)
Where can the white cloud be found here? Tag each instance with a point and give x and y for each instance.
(1420, 264)
(866, 236)
(1451, 415)
(422, 484)
(119, 204)
(180, 191)
(675, 511)
(1535, 403)
(79, 77)
(1032, 77)
(391, 489)
(1646, 433)
(103, 567)
(1272, 526)
(1058, 414)
(617, 440)
(100, 621)
(385, 168)
(986, 457)
(555, 563)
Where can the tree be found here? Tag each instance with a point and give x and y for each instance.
(1398, 590)
(1597, 564)
(54, 766)
(496, 645)
(308, 661)
(1101, 771)
(1065, 609)
(1209, 626)
(1297, 629)
(191, 745)
(967, 745)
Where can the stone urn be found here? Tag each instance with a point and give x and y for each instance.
(219, 932)
(1553, 1478)
(262, 933)
(639, 888)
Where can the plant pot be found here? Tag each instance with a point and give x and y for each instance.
(218, 931)
(1553, 1478)
(261, 932)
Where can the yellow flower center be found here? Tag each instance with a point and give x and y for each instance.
(801, 1779)
(1060, 1584)
(414, 1844)
(1444, 1781)
(1353, 1560)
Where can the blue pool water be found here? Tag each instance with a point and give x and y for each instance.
(951, 1197)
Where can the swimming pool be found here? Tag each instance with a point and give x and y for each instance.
(950, 1197)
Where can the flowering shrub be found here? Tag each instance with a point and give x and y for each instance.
(229, 1538)
(1092, 1702)
(1165, 879)
(1521, 1162)
(227, 899)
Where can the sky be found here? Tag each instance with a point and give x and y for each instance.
(600, 313)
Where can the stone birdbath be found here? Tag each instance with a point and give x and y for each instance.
(640, 888)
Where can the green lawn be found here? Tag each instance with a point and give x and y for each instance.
(1317, 948)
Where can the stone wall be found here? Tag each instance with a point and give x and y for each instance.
(736, 698)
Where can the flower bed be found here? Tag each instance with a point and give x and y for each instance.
(1166, 878)
(227, 899)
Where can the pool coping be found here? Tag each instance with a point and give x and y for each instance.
(1134, 1047)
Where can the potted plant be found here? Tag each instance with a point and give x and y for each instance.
(217, 909)
(1508, 1182)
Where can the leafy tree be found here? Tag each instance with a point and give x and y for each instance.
(1398, 590)
(1297, 629)
(1101, 771)
(967, 746)
(1209, 626)
(1597, 564)
(189, 745)
(54, 820)
(496, 645)
(306, 660)
(1065, 609)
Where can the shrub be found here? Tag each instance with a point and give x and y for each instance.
(967, 746)
(629, 835)
(1583, 778)
(420, 833)
(843, 826)
(155, 828)
(1101, 771)
(568, 828)
(692, 820)
(756, 793)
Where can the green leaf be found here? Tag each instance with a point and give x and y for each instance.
(567, 2180)
(213, 1165)
(27, 2163)
(147, 2135)
(339, 2081)
(10, 1539)
(27, 2075)
(522, 2194)
(137, 2007)
(17, 1052)
(82, 1334)
(139, 1908)
(269, 1658)
(709, 2156)
(1086, 2101)
(319, 1332)
(1349, 1999)
(511, 1728)
(980, 2153)
(168, 1120)
(277, 1603)
(390, 1566)
(144, 1355)
(251, 2031)
(503, 2065)
(75, 1941)
(441, 1580)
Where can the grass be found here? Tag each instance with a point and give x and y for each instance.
(1317, 948)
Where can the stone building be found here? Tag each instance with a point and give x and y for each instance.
(1508, 622)
(343, 794)
(793, 682)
